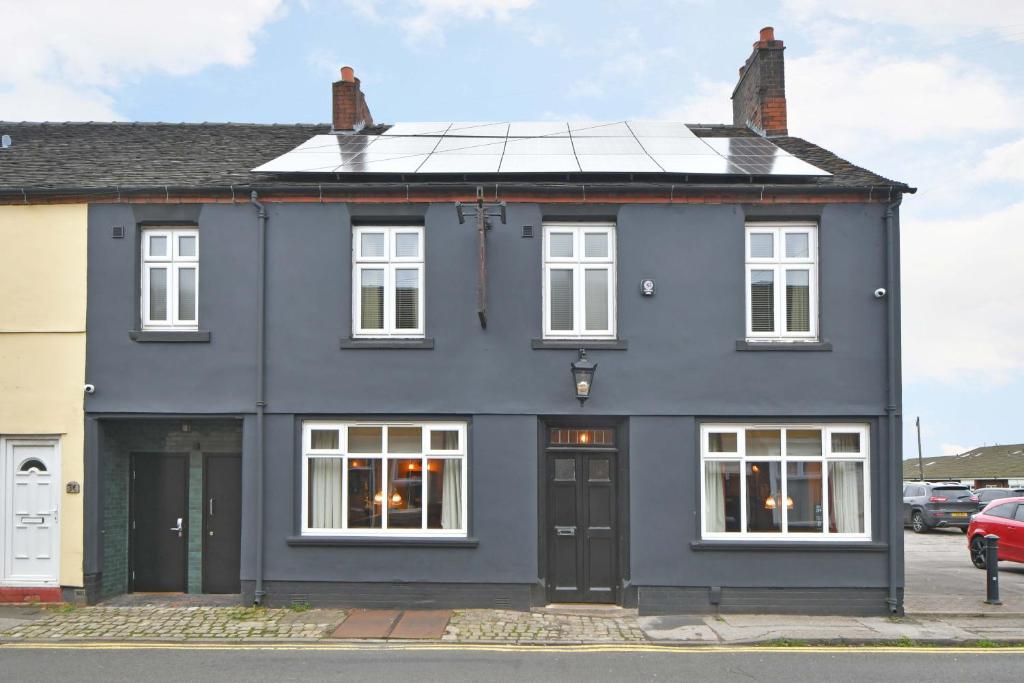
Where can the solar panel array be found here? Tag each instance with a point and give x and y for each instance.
(539, 147)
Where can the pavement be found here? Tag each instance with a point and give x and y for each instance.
(944, 602)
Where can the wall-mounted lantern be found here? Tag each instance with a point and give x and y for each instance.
(583, 376)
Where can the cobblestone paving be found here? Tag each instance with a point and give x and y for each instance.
(480, 625)
(177, 623)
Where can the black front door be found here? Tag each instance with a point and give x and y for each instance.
(582, 545)
(159, 523)
(222, 523)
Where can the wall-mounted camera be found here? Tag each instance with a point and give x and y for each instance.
(880, 293)
(90, 388)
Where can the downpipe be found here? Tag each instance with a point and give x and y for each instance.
(261, 272)
(895, 478)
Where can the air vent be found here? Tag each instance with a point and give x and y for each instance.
(117, 232)
(503, 603)
(527, 231)
(300, 600)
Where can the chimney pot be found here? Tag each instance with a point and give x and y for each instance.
(767, 34)
(348, 74)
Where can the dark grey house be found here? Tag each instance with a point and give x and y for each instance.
(328, 380)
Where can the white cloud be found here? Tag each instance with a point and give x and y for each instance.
(962, 288)
(424, 21)
(64, 59)
(941, 20)
(1002, 163)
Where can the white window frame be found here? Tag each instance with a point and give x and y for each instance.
(779, 264)
(827, 456)
(426, 453)
(173, 262)
(389, 263)
(579, 263)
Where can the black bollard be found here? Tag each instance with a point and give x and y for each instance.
(992, 570)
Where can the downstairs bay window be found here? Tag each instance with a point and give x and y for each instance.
(384, 479)
(785, 481)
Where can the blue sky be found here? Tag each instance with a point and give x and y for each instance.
(926, 91)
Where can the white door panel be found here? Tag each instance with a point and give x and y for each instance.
(30, 516)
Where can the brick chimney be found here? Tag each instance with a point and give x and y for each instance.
(350, 108)
(759, 98)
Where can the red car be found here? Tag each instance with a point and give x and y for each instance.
(1004, 518)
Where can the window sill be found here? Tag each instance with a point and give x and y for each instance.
(379, 542)
(576, 344)
(193, 336)
(353, 343)
(773, 345)
(808, 546)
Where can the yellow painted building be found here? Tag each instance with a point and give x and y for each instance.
(42, 375)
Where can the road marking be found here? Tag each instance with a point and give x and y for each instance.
(510, 648)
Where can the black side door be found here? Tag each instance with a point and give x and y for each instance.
(582, 548)
(222, 523)
(159, 523)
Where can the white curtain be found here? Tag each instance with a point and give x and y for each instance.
(714, 496)
(325, 511)
(451, 495)
(847, 502)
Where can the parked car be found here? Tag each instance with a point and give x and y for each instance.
(1003, 517)
(987, 495)
(930, 505)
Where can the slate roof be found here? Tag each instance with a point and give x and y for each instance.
(84, 157)
(987, 462)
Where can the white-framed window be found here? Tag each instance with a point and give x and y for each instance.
(170, 278)
(384, 478)
(579, 281)
(387, 281)
(782, 281)
(793, 482)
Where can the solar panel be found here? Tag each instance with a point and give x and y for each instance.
(540, 147)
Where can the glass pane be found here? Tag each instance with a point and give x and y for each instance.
(565, 469)
(407, 298)
(405, 494)
(764, 488)
(846, 497)
(560, 245)
(560, 291)
(596, 295)
(722, 496)
(324, 493)
(797, 245)
(444, 494)
(848, 442)
(32, 464)
(405, 439)
(595, 245)
(562, 436)
(372, 245)
(444, 440)
(365, 440)
(798, 301)
(372, 299)
(323, 439)
(724, 442)
(407, 245)
(598, 469)
(762, 442)
(803, 497)
(365, 493)
(157, 245)
(186, 294)
(803, 442)
(762, 300)
(187, 245)
(762, 245)
(158, 294)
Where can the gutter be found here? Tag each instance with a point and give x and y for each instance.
(261, 272)
(892, 409)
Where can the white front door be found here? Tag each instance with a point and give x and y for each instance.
(30, 497)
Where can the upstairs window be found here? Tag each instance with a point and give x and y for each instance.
(170, 279)
(579, 281)
(782, 281)
(387, 288)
